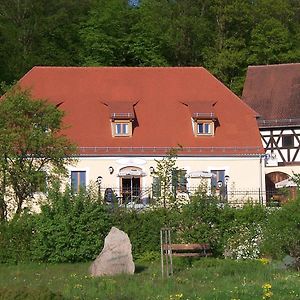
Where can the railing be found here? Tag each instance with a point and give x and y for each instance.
(140, 198)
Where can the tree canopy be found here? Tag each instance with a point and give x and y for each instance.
(32, 148)
(223, 36)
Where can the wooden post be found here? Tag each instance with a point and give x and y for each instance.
(166, 252)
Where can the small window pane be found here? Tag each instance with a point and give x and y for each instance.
(125, 129)
(200, 127)
(288, 141)
(118, 128)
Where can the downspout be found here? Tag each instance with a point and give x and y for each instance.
(261, 161)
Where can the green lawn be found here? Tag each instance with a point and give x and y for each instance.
(196, 279)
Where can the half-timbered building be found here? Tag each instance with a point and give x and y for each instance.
(273, 91)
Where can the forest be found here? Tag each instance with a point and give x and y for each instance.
(224, 36)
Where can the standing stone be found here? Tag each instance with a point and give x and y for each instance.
(115, 257)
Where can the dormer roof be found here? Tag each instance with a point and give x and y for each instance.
(202, 109)
(121, 110)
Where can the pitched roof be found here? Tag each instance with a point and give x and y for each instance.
(161, 118)
(274, 92)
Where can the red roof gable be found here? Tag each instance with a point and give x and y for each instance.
(161, 119)
(274, 92)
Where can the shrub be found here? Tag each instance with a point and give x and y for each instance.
(70, 228)
(16, 238)
(142, 227)
(244, 243)
(199, 221)
(242, 231)
(282, 234)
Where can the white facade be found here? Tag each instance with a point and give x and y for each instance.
(245, 173)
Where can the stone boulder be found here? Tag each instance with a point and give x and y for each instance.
(115, 257)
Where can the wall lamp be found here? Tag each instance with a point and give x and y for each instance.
(111, 170)
(151, 169)
(226, 179)
(99, 180)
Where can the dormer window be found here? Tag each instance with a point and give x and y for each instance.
(204, 127)
(122, 128)
(203, 117)
(121, 117)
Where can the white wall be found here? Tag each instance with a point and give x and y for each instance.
(246, 173)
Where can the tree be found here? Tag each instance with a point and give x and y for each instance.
(32, 147)
(164, 171)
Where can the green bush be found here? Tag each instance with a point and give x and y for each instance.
(70, 228)
(199, 222)
(142, 227)
(16, 239)
(282, 233)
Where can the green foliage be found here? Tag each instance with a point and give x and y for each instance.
(223, 36)
(16, 238)
(143, 228)
(282, 234)
(165, 169)
(70, 227)
(31, 143)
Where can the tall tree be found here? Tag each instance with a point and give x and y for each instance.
(31, 146)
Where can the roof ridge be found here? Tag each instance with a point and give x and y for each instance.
(117, 67)
(274, 65)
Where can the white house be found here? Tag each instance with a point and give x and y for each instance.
(123, 119)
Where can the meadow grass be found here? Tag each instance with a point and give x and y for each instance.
(206, 278)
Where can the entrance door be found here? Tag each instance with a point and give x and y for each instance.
(130, 188)
(130, 183)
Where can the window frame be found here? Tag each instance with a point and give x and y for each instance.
(76, 187)
(123, 124)
(219, 176)
(204, 123)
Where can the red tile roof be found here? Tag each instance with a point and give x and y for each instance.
(162, 120)
(274, 92)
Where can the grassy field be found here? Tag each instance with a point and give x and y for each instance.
(196, 279)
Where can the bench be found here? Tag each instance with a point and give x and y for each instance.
(187, 250)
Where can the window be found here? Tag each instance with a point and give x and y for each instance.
(123, 128)
(203, 127)
(288, 141)
(179, 181)
(218, 175)
(78, 180)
